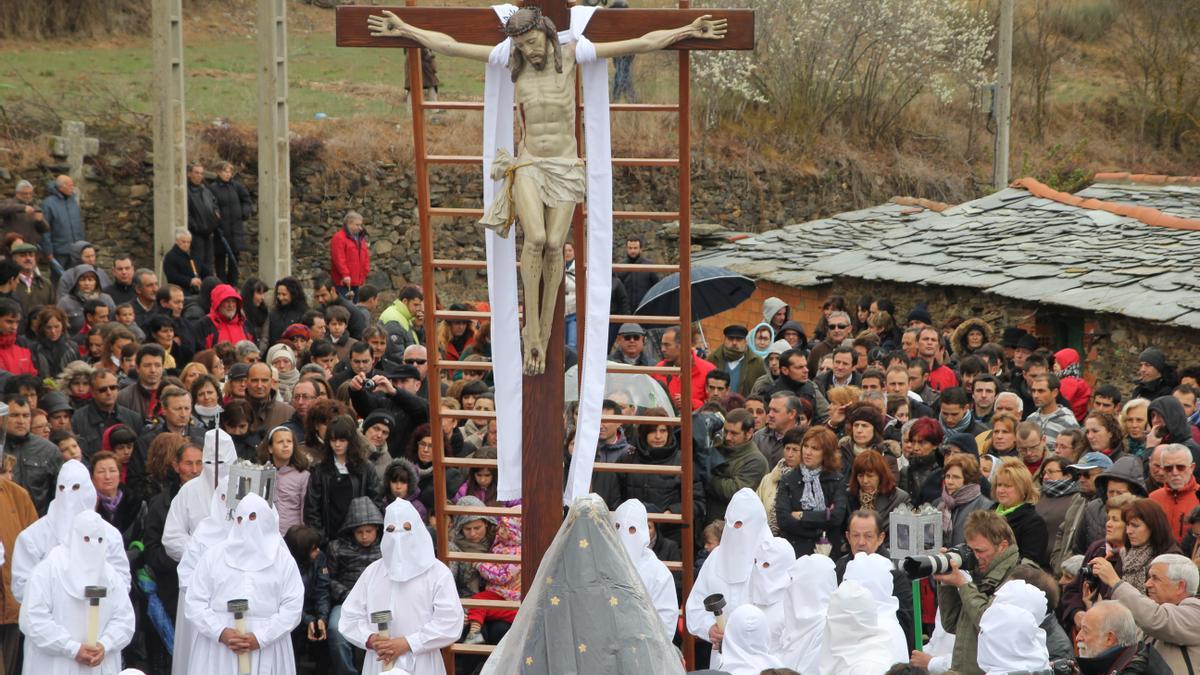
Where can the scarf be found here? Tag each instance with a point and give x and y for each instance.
(963, 426)
(965, 495)
(813, 498)
(110, 504)
(1136, 447)
(1135, 563)
(866, 500)
(1059, 488)
(1005, 510)
(1070, 371)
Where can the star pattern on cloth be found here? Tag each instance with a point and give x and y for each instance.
(582, 648)
(529, 660)
(583, 543)
(613, 601)
(549, 580)
(554, 601)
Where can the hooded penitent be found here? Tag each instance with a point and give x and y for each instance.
(73, 494)
(211, 531)
(1011, 641)
(254, 542)
(407, 548)
(746, 649)
(633, 529)
(805, 611)
(218, 453)
(853, 642)
(86, 547)
(772, 575)
(874, 572)
(745, 528)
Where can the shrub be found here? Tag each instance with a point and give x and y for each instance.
(1086, 21)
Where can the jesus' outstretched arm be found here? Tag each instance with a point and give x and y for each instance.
(390, 25)
(704, 28)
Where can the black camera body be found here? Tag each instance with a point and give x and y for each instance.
(368, 385)
(1087, 574)
(921, 566)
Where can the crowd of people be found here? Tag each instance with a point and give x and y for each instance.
(128, 401)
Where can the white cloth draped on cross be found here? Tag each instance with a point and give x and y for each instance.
(501, 260)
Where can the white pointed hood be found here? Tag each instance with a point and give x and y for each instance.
(1024, 595)
(745, 528)
(774, 562)
(73, 493)
(746, 647)
(633, 529)
(805, 611)
(253, 542)
(1010, 640)
(219, 453)
(853, 641)
(407, 547)
(85, 550)
(874, 572)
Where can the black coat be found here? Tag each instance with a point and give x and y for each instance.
(637, 283)
(202, 210)
(279, 319)
(51, 358)
(409, 411)
(89, 424)
(660, 492)
(364, 482)
(127, 517)
(154, 555)
(236, 206)
(1030, 529)
(177, 268)
(804, 533)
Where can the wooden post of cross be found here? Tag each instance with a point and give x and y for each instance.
(543, 403)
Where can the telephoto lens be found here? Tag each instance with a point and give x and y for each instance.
(921, 566)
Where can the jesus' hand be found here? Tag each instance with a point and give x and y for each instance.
(707, 28)
(388, 25)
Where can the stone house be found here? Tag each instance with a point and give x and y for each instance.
(1109, 270)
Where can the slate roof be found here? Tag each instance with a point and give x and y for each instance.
(1013, 243)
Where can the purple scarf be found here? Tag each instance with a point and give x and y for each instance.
(965, 495)
(110, 504)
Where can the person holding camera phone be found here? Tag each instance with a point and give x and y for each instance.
(968, 588)
(1073, 605)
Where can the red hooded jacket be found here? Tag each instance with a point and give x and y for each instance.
(214, 328)
(350, 257)
(1072, 385)
(14, 358)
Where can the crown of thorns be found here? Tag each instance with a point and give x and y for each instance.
(532, 20)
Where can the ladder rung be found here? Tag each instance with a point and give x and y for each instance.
(648, 319)
(454, 159)
(446, 264)
(673, 565)
(491, 604)
(477, 160)
(470, 414)
(459, 510)
(448, 212)
(475, 650)
(665, 518)
(450, 315)
(470, 462)
(615, 107)
(627, 267)
(651, 469)
(461, 556)
(464, 365)
(622, 369)
(452, 105)
(640, 419)
(645, 215)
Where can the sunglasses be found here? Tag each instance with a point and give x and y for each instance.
(631, 338)
(839, 326)
(415, 362)
(108, 388)
(1175, 468)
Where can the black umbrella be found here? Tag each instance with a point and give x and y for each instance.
(714, 290)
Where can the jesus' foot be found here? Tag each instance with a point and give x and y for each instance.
(535, 360)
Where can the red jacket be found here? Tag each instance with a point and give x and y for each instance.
(351, 258)
(214, 328)
(1178, 505)
(14, 358)
(700, 371)
(1073, 387)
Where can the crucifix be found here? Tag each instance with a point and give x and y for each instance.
(541, 183)
(75, 146)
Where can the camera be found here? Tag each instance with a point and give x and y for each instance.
(1087, 574)
(368, 385)
(921, 566)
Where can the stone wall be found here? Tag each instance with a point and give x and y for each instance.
(1109, 344)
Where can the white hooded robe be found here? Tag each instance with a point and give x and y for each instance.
(415, 586)
(875, 573)
(633, 529)
(774, 562)
(209, 533)
(54, 614)
(746, 649)
(807, 604)
(253, 564)
(73, 494)
(190, 505)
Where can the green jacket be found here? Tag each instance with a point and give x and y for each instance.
(963, 607)
(398, 314)
(744, 467)
(752, 368)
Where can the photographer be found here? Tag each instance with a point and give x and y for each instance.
(1109, 642)
(1169, 613)
(394, 392)
(963, 598)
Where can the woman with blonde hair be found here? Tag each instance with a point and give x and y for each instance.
(190, 373)
(1135, 422)
(1016, 495)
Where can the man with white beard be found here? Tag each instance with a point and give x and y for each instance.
(633, 529)
(73, 494)
(417, 590)
(54, 614)
(253, 565)
(190, 506)
(727, 570)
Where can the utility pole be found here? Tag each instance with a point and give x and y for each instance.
(170, 148)
(274, 174)
(1002, 104)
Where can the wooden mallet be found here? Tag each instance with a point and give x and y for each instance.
(239, 608)
(715, 603)
(381, 619)
(93, 595)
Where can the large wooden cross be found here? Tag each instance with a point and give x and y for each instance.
(543, 439)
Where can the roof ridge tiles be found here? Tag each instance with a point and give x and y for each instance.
(1145, 214)
(1145, 178)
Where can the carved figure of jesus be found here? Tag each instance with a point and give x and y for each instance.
(545, 181)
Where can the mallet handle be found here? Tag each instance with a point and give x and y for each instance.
(239, 622)
(93, 624)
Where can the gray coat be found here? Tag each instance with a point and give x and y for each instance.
(38, 462)
(958, 518)
(65, 219)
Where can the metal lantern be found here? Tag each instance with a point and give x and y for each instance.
(913, 532)
(246, 478)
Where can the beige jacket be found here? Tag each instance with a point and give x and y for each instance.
(1174, 628)
(768, 489)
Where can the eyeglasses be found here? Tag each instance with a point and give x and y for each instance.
(839, 326)
(415, 362)
(1175, 468)
(106, 389)
(631, 338)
